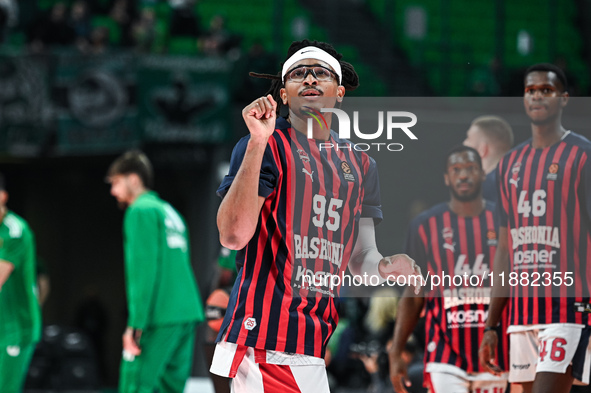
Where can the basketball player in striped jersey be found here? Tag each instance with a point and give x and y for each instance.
(298, 214)
(455, 238)
(545, 238)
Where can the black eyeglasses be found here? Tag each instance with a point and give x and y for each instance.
(322, 74)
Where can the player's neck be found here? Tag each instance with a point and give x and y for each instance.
(319, 131)
(136, 194)
(467, 208)
(490, 163)
(3, 212)
(544, 135)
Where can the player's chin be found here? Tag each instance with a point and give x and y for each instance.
(540, 118)
(465, 189)
(467, 196)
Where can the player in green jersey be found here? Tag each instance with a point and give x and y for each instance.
(163, 300)
(20, 315)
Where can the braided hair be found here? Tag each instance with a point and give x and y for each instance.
(350, 78)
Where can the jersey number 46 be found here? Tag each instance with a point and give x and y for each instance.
(537, 206)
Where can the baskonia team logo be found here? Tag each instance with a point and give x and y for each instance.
(303, 155)
(515, 171)
(448, 234)
(347, 172)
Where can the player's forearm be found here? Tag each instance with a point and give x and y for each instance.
(239, 211)
(407, 316)
(140, 299)
(365, 256)
(140, 284)
(142, 256)
(499, 293)
(367, 262)
(498, 301)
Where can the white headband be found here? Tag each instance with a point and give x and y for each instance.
(312, 52)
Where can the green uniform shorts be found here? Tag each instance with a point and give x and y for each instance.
(165, 361)
(14, 364)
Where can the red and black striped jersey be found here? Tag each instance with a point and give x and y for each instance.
(545, 203)
(460, 251)
(282, 299)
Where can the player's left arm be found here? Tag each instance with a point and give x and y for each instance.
(365, 255)
(142, 240)
(5, 269)
(366, 259)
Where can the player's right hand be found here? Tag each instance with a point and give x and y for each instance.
(398, 374)
(131, 339)
(486, 353)
(402, 265)
(260, 116)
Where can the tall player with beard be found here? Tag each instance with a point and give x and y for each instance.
(162, 295)
(456, 237)
(295, 210)
(545, 236)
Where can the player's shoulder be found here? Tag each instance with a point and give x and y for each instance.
(434, 211)
(514, 152)
(282, 125)
(578, 140)
(147, 202)
(519, 147)
(15, 224)
(490, 205)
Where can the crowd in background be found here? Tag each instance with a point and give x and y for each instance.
(95, 26)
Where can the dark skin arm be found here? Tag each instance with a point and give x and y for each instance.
(498, 302)
(239, 212)
(409, 311)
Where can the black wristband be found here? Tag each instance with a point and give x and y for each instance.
(491, 328)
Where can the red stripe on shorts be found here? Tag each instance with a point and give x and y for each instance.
(260, 355)
(238, 356)
(278, 378)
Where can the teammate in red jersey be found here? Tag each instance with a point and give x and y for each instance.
(295, 211)
(455, 238)
(545, 240)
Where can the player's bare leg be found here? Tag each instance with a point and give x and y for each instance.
(553, 382)
(517, 388)
(526, 387)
